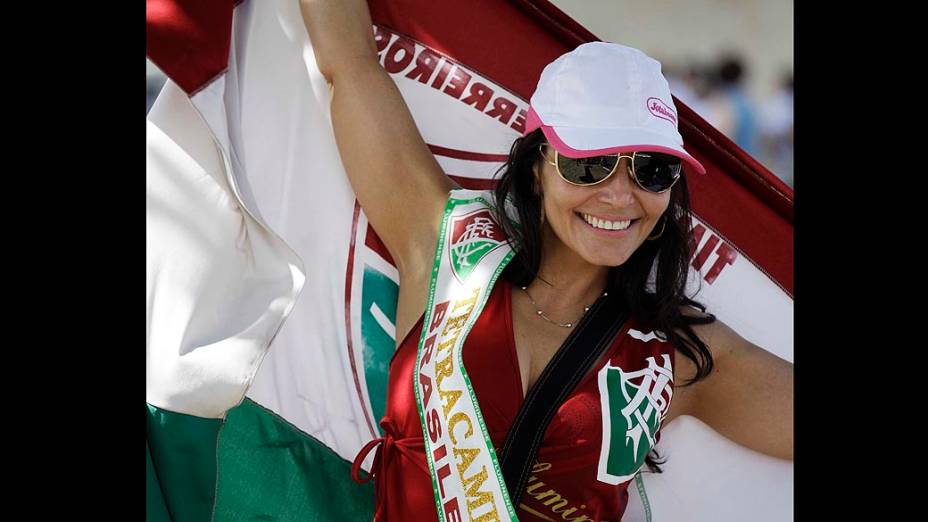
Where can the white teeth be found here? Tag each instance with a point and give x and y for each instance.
(606, 225)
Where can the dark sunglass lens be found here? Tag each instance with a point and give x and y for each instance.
(657, 172)
(584, 171)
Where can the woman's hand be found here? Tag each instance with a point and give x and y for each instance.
(748, 396)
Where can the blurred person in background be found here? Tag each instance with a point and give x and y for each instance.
(731, 110)
(688, 83)
(776, 130)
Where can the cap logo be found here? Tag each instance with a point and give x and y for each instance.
(661, 110)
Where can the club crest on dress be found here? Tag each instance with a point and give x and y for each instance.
(633, 406)
(473, 236)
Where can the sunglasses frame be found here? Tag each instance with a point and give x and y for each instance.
(631, 170)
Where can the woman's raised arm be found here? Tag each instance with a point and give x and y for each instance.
(399, 184)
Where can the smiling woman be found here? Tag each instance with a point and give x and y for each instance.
(591, 203)
(610, 210)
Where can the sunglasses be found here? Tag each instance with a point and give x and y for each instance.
(652, 171)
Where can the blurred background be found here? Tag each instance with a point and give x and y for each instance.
(729, 60)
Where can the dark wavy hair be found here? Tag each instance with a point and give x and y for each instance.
(668, 256)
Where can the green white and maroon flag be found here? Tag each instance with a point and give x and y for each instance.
(271, 302)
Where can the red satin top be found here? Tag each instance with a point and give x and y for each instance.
(564, 483)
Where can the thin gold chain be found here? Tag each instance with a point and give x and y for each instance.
(544, 316)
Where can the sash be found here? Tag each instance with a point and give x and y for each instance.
(471, 253)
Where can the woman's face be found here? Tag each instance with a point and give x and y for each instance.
(569, 208)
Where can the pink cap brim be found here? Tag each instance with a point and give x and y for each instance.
(532, 122)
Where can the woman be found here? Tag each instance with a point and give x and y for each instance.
(597, 188)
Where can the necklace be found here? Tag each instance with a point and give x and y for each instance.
(541, 314)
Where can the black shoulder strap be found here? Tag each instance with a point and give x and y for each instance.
(582, 348)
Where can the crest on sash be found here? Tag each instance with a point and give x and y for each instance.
(473, 236)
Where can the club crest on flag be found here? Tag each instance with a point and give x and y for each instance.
(472, 237)
(633, 406)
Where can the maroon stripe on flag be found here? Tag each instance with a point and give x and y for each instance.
(467, 155)
(348, 273)
(373, 241)
(473, 183)
(189, 39)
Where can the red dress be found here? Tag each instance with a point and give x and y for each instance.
(565, 483)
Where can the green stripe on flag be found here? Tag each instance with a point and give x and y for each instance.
(381, 292)
(270, 470)
(157, 509)
(182, 472)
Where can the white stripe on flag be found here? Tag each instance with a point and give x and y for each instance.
(383, 321)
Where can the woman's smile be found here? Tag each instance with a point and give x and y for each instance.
(609, 227)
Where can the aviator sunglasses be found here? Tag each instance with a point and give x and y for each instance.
(652, 171)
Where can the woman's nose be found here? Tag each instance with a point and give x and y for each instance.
(620, 187)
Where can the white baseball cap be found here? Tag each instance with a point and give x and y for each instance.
(604, 98)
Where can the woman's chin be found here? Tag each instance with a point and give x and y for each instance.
(606, 259)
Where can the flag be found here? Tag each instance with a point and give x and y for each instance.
(271, 301)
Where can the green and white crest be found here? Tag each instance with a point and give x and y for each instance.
(473, 236)
(633, 406)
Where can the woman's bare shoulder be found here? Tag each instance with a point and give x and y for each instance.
(718, 336)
